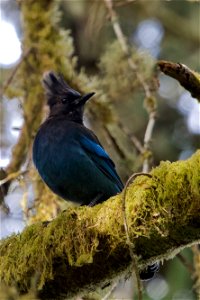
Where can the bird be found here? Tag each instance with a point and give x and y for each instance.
(68, 156)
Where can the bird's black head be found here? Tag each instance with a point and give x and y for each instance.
(62, 99)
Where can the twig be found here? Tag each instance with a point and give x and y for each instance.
(136, 142)
(12, 176)
(119, 150)
(123, 3)
(122, 40)
(125, 48)
(133, 176)
(147, 140)
(189, 79)
(14, 71)
(186, 263)
(196, 273)
(106, 297)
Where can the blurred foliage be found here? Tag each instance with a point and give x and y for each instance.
(88, 54)
(89, 22)
(118, 79)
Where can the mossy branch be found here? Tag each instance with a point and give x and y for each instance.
(85, 248)
(189, 79)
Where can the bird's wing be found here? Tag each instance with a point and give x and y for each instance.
(101, 159)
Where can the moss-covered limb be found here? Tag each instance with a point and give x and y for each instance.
(51, 48)
(84, 248)
(189, 79)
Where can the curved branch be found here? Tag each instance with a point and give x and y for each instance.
(189, 79)
(85, 248)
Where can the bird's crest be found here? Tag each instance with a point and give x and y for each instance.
(56, 87)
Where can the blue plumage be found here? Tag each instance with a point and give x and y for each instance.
(73, 164)
(69, 156)
(101, 159)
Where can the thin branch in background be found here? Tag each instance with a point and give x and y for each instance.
(125, 48)
(185, 262)
(147, 140)
(118, 149)
(151, 110)
(196, 273)
(3, 188)
(14, 71)
(123, 3)
(12, 176)
(107, 296)
(127, 232)
(136, 142)
(122, 40)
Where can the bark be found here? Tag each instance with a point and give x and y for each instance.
(189, 79)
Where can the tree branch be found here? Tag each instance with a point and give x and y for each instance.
(150, 100)
(85, 248)
(14, 71)
(189, 79)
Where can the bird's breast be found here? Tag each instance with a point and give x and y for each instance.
(63, 163)
(57, 152)
(67, 167)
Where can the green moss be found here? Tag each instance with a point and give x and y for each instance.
(86, 247)
(115, 69)
(50, 48)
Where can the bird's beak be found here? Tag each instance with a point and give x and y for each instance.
(85, 98)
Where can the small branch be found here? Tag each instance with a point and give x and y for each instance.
(189, 79)
(147, 140)
(184, 261)
(117, 28)
(123, 3)
(196, 273)
(3, 188)
(136, 142)
(14, 71)
(107, 296)
(119, 150)
(122, 40)
(125, 48)
(12, 176)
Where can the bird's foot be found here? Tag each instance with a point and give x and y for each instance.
(150, 271)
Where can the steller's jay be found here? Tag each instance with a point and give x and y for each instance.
(69, 156)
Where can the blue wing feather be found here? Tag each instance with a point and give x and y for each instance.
(102, 160)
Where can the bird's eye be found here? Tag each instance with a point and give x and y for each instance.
(64, 100)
